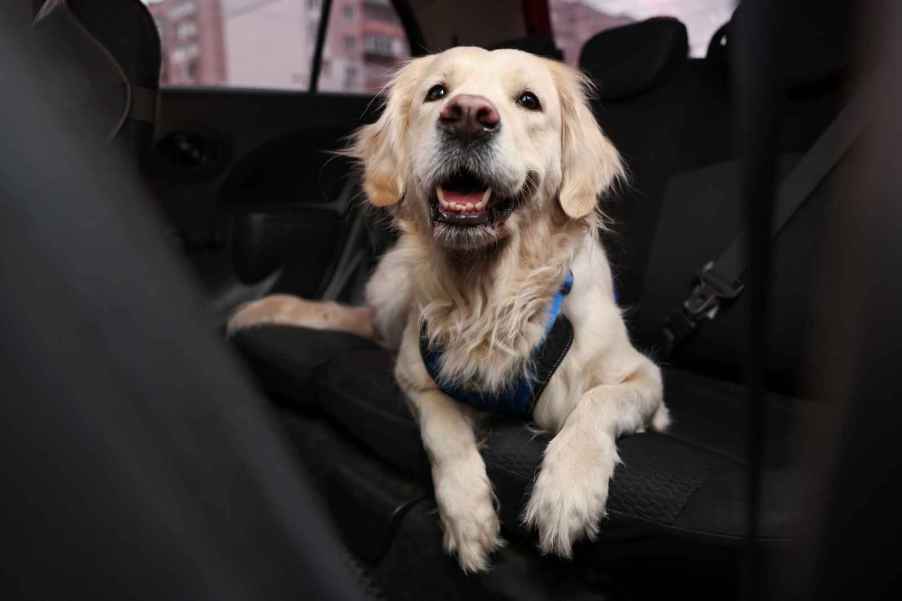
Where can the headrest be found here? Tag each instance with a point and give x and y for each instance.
(632, 59)
(108, 55)
(95, 97)
(127, 30)
(814, 35)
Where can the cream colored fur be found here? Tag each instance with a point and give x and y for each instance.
(487, 309)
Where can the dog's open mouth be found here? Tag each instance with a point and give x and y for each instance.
(465, 200)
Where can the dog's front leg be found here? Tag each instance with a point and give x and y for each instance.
(462, 488)
(570, 493)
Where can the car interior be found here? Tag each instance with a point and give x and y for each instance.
(245, 190)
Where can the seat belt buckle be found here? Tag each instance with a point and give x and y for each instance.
(705, 299)
(703, 302)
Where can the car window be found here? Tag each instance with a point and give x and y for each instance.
(365, 43)
(270, 43)
(575, 21)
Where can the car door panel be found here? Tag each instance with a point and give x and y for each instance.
(249, 178)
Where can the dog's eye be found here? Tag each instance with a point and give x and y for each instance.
(529, 101)
(436, 92)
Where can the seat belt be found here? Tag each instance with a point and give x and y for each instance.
(719, 281)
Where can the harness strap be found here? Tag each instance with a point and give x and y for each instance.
(518, 399)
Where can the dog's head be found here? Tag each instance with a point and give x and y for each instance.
(478, 144)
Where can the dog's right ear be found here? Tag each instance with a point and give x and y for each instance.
(380, 146)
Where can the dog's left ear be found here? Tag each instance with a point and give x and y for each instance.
(380, 147)
(589, 161)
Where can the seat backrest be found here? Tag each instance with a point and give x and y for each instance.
(682, 206)
(640, 71)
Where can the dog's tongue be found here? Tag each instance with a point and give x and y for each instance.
(463, 201)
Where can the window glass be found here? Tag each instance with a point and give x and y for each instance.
(270, 43)
(241, 43)
(575, 21)
(365, 43)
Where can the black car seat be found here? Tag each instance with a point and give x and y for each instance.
(674, 126)
(108, 56)
(127, 31)
(677, 495)
(640, 102)
(697, 214)
(138, 462)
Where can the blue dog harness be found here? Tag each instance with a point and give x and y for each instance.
(519, 398)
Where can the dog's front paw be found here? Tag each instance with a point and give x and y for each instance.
(569, 496)
(470, 523)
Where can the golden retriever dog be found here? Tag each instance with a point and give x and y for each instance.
(491, 165)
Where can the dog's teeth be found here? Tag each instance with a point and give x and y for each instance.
(465, 208)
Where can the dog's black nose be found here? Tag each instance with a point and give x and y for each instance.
(469, 117)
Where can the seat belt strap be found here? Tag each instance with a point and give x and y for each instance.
(720, 281)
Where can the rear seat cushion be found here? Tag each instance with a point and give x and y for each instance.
(689, 482)
(285, 360)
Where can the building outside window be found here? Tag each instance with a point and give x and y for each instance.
(350, 77)
(377, 10)
(379, 44)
